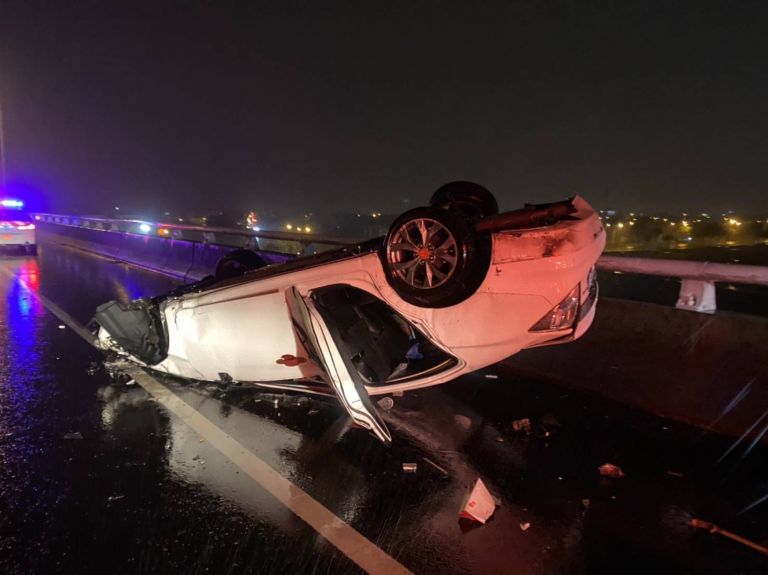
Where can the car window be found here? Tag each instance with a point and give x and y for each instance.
(382, 345)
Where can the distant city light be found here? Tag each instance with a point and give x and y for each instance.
(307, 229)
(288, 226)
(620, 224)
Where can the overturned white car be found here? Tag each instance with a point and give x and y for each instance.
(452, 288)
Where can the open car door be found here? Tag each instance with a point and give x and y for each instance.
(341, 373)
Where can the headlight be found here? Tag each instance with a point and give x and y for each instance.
(563, 315)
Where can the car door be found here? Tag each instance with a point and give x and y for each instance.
(341, 374)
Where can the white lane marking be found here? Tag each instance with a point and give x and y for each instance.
(358, 548)
(346, 538)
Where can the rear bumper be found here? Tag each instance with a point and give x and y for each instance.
(17, 238)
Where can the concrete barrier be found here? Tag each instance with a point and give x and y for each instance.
(206, 256)
(169, 256)
(710, 371)
(183, 259)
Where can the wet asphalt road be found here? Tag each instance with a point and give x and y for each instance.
(96, 477)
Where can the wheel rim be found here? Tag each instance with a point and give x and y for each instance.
(423, 253)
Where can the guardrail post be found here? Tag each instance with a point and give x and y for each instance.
(697, 295)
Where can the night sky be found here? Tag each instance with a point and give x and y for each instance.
(344, 106)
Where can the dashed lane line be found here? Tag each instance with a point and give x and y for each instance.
(358, 548)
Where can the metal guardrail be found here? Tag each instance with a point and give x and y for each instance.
(283, 242)
(697, 288)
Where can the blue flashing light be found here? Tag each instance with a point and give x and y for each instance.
(145, 228)
(9, 203)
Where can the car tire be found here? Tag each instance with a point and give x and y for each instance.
(432, 257)
(467, 199)
(237, 263)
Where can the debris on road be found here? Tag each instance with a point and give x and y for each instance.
(523, 425)
(714, 529)
(73, 435)
(116, 370)
(313, 411)
(547, 426)
(410, 467)
(115, 497)
(386, 403)
(525, 526)
(479, 506)
(436, 466)
(611, 470)
(674, 473)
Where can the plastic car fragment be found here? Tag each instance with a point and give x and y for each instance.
(479, 505)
